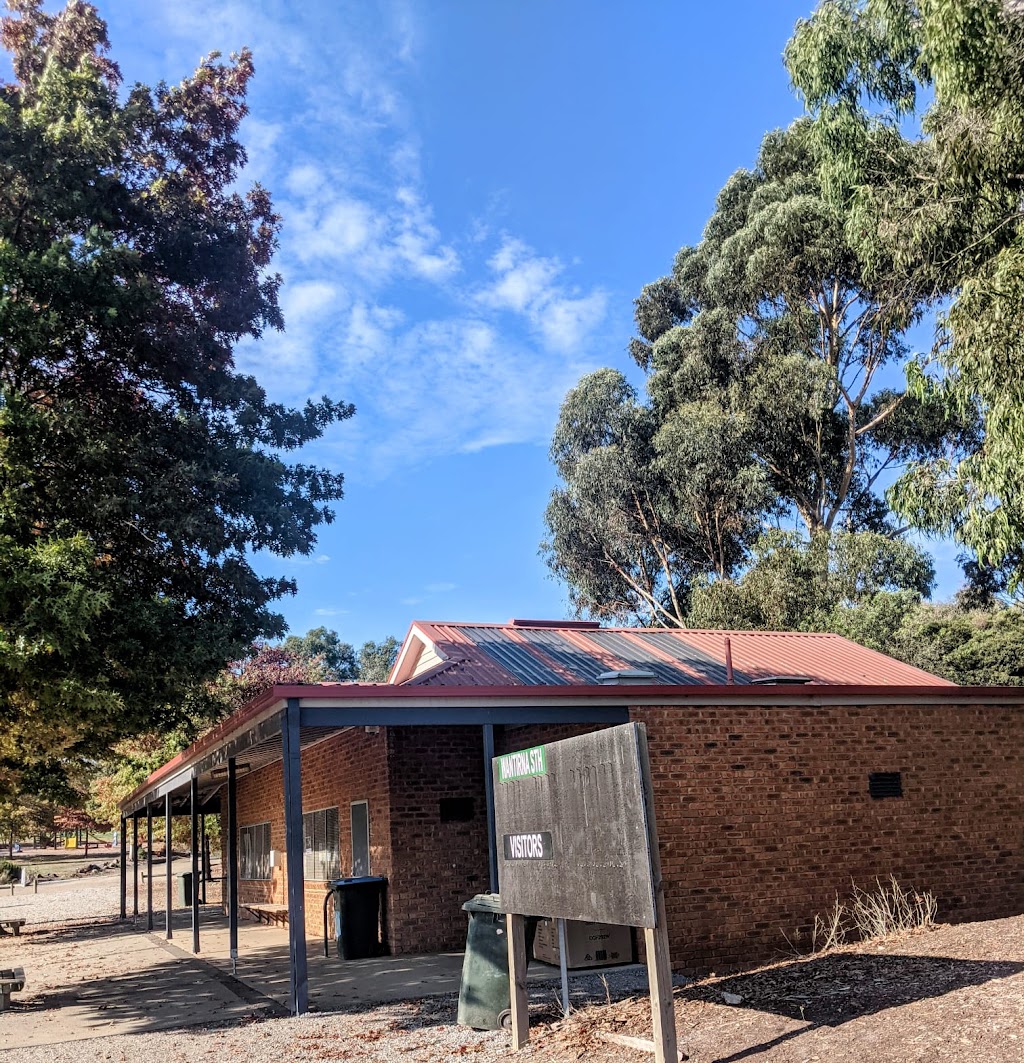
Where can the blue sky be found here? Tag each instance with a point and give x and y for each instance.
(472, 194)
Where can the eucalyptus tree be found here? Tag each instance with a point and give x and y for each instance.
(943, 209)
(632, 524)
(138, 467)
(766, 352)
(776, 316)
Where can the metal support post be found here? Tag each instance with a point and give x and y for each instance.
(232, 856)
(292, 770)
(149, 867)
(168, 895)
(194, 810)
(124, 867)
(202, 856)
(492, 851)
(563, 966)
(135, 865)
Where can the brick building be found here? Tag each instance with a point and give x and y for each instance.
(785, 768)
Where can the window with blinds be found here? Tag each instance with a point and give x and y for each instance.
(254, 851)
(320, 834)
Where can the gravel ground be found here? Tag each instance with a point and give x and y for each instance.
(951, 994)
(419, 1031)
(61, 902)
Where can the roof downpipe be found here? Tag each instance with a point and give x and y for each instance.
(729, 678)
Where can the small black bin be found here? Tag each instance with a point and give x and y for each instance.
(358, 916)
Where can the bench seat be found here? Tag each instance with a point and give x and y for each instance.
(268, 913)
(12, 979)
(14, 924)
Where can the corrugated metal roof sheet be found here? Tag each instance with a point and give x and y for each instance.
(503, 654)
(641, 651)
(515, 657)
(563, 646)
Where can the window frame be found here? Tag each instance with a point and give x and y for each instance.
(254, 865)
(323, 863)
(368, 870)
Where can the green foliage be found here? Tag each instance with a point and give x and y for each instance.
(138, 468)
(337, 659)
(969, 646)
(376, 659)
(127, 766)
(796, 586)
(645, 508)
(942, 209)
(763, 351)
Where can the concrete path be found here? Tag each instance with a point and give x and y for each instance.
(334, 984)
(104, 977)
(108, 978)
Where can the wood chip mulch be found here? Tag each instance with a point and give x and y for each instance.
(952, 993)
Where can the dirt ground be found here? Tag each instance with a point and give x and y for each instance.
(61, 863)
(954, 993)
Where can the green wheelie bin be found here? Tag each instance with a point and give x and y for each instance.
(484, 998)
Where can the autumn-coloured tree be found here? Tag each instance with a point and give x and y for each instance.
(139, 469)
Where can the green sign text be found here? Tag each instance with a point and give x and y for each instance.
(523, 764)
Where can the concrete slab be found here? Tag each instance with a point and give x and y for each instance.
(109, 978)
(106, 977)
(334, 984)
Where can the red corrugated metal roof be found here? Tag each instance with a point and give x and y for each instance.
(494, 661)
(926, 689)
(507, 654)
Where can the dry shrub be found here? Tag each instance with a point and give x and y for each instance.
(884, 912)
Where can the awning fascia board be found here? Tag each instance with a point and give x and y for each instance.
(458, 715)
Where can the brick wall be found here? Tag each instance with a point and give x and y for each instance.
(764, 814)
(350, 766)
(509, 739)
(437, 865)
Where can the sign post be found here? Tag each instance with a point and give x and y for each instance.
(659, 964)
(574, 822)
(563, 967)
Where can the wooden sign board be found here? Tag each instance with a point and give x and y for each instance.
(576, 839)
(572, 829)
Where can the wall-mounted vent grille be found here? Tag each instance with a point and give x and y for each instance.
(885, 784)
(456, 809)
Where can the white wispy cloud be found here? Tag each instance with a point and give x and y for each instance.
(530, 284)
(447, 340)
(440, 588)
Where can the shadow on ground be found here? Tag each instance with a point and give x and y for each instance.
(830, 990)
(130, 981)
(101, 978)
(122, 979)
